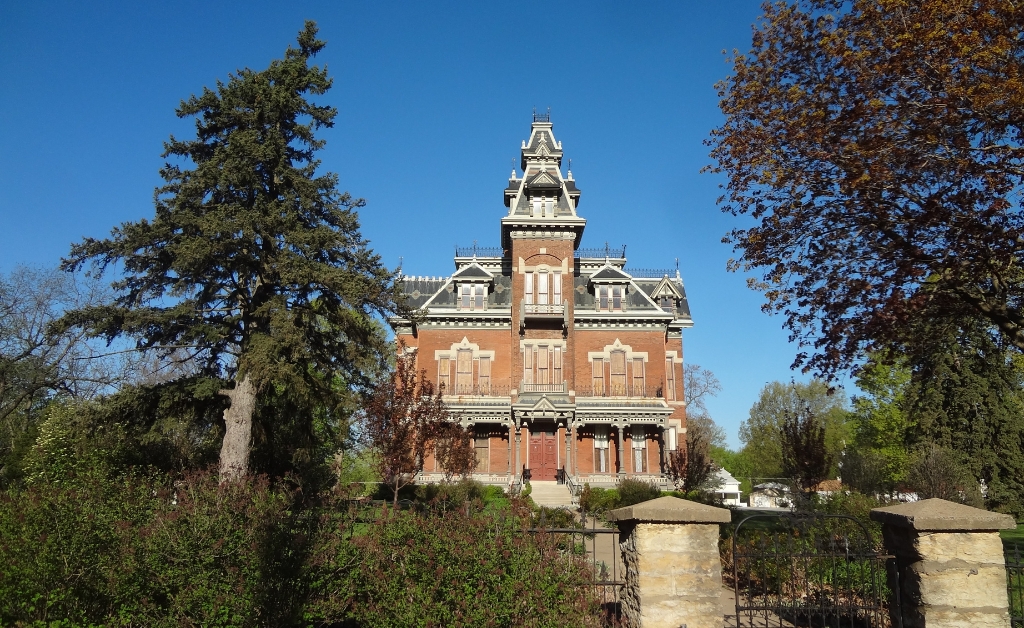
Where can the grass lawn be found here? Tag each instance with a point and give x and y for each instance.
(1014, 536)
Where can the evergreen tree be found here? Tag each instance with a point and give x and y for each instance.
(253, 262)
(967, 396)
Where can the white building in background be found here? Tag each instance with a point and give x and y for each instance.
(728, 488)
(771, 495)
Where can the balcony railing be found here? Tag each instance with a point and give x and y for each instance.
(611, 252)
(478, 251)
(543, 309)
(650, 273)
(531, 387)
(477, 390)
(633, 391)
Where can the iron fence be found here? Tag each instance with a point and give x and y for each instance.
(810, 570)
(592, 538)
(1015, 583)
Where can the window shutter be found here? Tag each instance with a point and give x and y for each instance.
(484, 379)
(464, 370)
(444, 374)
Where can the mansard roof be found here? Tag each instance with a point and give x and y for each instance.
(610, 274)
(544, 180)
(473, 271)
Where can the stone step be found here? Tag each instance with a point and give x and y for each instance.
(551, 494)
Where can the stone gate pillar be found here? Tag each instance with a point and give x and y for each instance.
(951, 565)
(673, 569)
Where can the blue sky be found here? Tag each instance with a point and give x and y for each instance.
(433, 99)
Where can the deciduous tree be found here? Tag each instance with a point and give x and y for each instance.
(253, 260)
(761, 433)
(402, 418)
(805, 455)
(691, 467)
(878, 147)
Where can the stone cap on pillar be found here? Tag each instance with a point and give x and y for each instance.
(938, 514)
(671, 510)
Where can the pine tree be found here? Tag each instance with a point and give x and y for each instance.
(254, 262)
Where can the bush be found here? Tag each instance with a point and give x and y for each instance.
(699, 496)
(139, 550)
(447, 569)
(636, 491)
(594, 499)
(143, 550)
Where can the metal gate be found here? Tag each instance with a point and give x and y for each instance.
(811, 570)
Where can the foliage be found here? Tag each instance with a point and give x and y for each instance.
(144, 549)
(253, 262)
(692, 468)
(453, 449)
(356, 472)
(805, 457)
(877, 146)
(735, 462)
(967, 397)
(38, 365)
(448, 569)
(879, 461)
(761, 433)
(597, 499)
(448, 495)
(632, 491)
(140, 550)
(402, 417)
(936, 472)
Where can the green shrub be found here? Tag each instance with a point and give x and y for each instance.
(633, 491)
(595, 499)
(447, 569)
(701, 497)
(139, 550)
(143, 550)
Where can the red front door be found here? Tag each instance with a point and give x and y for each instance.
(543, 455)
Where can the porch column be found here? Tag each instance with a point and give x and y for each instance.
(519, 464)
(573, 453)
(618, 452)
(508, 458)
(568, 436)
(951, 565)
(661, 452)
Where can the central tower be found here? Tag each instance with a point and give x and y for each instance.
(539, 236)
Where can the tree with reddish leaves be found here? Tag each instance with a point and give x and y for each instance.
(805, 456)
(878, 147)
(453, 450)
(690, 467)
(402, 418)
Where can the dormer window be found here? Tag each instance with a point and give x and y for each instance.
(543, 207)
(609, 298)
(667, 302)
(472, 296)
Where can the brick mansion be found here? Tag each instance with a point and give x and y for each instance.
(561, 361)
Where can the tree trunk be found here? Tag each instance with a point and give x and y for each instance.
(234, 452)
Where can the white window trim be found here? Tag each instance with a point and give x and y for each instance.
(606, 354)
(452, 353)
